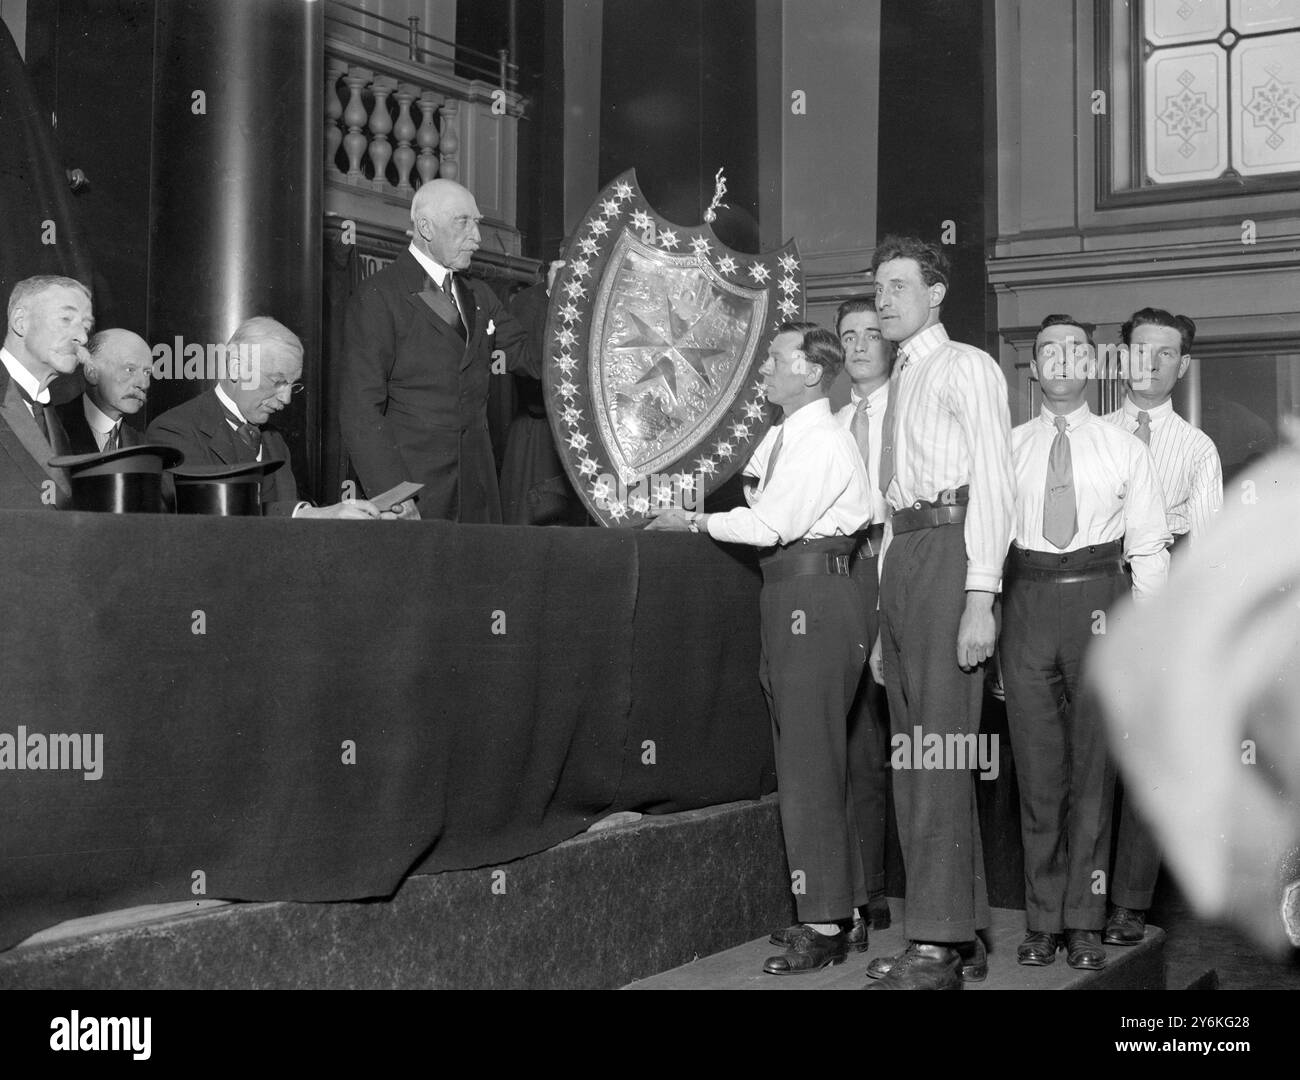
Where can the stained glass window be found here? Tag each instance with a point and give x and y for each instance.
(1204, 91)
(1221, 88)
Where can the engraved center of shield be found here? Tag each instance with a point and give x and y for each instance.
(674, 348)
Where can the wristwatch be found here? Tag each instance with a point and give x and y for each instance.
(693, 522)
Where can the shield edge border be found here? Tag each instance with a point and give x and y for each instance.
(555, 377)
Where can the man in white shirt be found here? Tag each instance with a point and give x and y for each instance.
(946, 473)
(49, 323)
(810, 497)
(1191, 478)
(868, 360)
(1087, 502)
(117, 374)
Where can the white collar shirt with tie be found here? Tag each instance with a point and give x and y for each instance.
(101, 424)
(1117, 493)
(875, 405)
(1186, 461)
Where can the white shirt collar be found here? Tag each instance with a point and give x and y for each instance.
(24, 378)
(227, 401)
(923, 343)
(876, 400)
(1159, 412)
(100, 422)
(1072, 419)
(807, 415)
(431, 266)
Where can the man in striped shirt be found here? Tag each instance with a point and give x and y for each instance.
(946, 474)
(1187, 463)
(1087, 502)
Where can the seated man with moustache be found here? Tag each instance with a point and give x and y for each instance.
(117, 375)
(49, 321)
(223, 426)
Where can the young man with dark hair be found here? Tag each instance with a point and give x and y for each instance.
(1087, 502)
(810, 497)
(946, 473)
(1191, 478)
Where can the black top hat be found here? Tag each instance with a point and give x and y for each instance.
(223, 490)
(127, 480)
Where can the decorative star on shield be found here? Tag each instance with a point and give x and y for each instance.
(655, 334)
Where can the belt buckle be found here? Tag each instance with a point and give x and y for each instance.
(841, 563)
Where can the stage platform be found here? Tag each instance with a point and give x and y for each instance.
(1139, 967)
(691, 895)
(595, 912)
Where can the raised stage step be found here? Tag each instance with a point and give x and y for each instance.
(1138, 967)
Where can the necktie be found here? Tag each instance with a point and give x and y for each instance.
(1144, 427)
(887, 432)
(861, 428)
(771, 461)
(114, 440)
(449, 290)
(1060, 519)
(38, 411)
(248, 436)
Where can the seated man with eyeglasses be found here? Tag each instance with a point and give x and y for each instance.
(223, 426)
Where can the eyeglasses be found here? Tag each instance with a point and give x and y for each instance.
(293, 388)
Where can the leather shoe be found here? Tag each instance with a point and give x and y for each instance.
(1083, 950)
(856, 937)
(922, 967)
(1125, 927)
(974, 962)
(809, 951)
(1038, 949)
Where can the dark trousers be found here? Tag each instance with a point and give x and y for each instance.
(869, 777)
(815, 644)
(921, 602)
(1065, 777)
(1137, 860)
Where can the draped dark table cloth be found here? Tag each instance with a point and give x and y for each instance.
(298, 710)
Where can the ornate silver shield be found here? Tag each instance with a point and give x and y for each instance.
(654, 338)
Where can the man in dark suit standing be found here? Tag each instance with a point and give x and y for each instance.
(223, 426)
(49, 322)
(417, 355)
(117, 375)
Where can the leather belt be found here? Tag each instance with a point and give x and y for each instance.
(805, 564)
(948, 509)
(870, 540)
(1085, 564)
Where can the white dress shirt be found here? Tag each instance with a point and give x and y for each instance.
(877, 403)
(25, 379)
(818, 486)
(953, 427)
(1187, 463)
(1117, 493)
(101, 424)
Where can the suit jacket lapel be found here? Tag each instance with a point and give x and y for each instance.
(216, 431)
(36, 462)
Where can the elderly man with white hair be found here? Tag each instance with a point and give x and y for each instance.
(419, 337)
(223, 426)
(49, 323)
